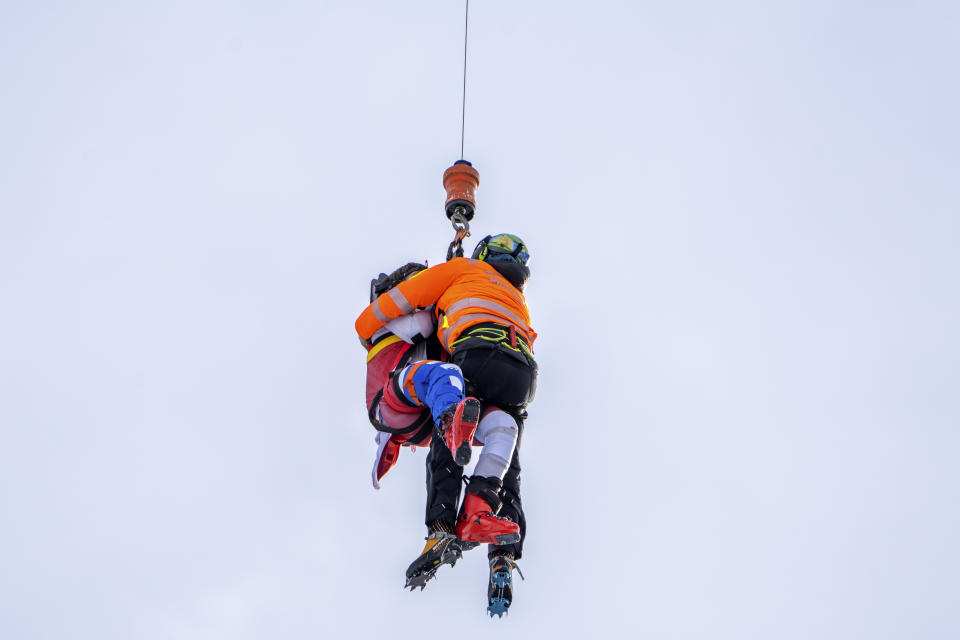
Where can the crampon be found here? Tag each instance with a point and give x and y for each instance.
(500, 588)
(441, 548)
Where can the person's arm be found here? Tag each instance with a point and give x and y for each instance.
(419, 292)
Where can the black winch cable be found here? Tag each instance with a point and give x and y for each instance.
(463, 178)
(463, 112)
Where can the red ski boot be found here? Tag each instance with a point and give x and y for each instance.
(457, 424)
(478, 521)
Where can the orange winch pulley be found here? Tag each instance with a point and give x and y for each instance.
(461, 181)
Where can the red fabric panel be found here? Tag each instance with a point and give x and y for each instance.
(379, 368)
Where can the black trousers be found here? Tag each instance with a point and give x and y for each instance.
(509, 383)
(498, 377)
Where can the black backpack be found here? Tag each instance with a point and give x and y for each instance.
(384, 282)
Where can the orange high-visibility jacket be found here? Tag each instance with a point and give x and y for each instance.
(466, 292)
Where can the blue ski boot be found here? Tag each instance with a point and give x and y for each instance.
(500, 589)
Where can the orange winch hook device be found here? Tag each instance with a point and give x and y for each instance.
(460, 182)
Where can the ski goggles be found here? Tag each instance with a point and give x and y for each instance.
(504, 246)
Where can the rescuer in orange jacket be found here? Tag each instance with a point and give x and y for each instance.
(483, 324)
(466, 292)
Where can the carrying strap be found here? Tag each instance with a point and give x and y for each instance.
(423, 426)
(379, 346)
(416, 432)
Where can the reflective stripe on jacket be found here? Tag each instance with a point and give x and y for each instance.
(466, 292)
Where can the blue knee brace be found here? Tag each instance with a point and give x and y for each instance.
(437, 385)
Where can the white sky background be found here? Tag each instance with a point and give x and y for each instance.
(743, 219)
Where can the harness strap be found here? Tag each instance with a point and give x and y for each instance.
(495, 336)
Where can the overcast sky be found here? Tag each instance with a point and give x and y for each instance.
(743, 218)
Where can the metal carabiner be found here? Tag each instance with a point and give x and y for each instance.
(462, 227)
(460, 222)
